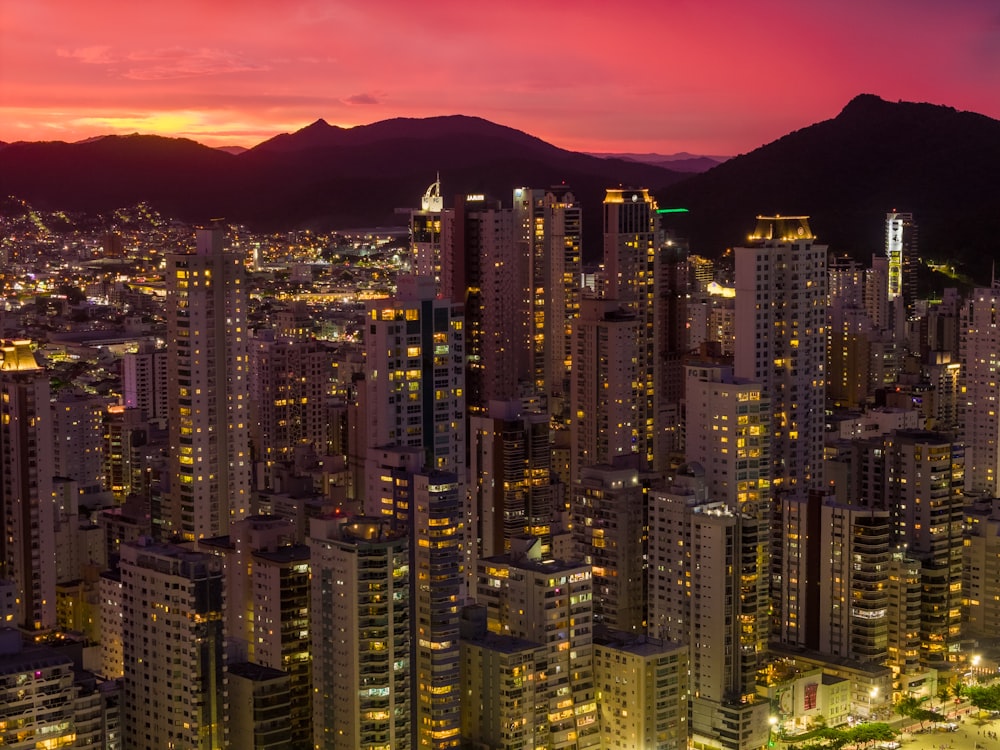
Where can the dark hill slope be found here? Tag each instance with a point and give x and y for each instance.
(845, 173)
(321, 176)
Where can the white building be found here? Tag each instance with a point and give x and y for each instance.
(145, 380)
(642, 692)
(209, 404)
(360, 635)
(173, 648)
(781, 301)
(979, 409)
(549, 602)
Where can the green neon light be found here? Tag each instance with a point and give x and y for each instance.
(672, 211)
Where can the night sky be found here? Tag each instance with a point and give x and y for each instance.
(716, 77)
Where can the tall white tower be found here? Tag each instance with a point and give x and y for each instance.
(209, 402)
(900, 242)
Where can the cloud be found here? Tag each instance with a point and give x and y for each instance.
(177, 62)
(361, 99)
(95, 55)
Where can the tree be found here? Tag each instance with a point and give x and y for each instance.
(984, 698)
(907, 706)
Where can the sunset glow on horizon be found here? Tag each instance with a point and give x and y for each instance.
(652, 76)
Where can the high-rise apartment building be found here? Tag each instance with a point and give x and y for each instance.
(550, 603)
(267, 609)
(209, 404)
(781, 301)
(500, 678)
(482, 269)
(145, 380)
(77, 421)
(706, 592)
(979, 408)
(924, 479)
(548, 224)
(290, 398)
(853, 581)
(435, 525)
(414, 387)
(258, 707)
(610, 534)
(361, 634)
(514, 489)
(173, 647)
(728, 432)
(981, 569)
(607, 419)
(900, 249)
(642, 694)
(27, 544)
(36, 695)
(631, 246)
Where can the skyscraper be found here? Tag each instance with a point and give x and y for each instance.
(290, 384)
(425, 234)
(481, 269)
(549, 602)
(27, 543)
(705, 568)
(781, 301)
(514, 489)
(209, 403)
(610, 534)
(145, 380)
(979, 408)
(267, 609)
(900, 249)
(607, 411)
(435, 526)
(173, 647)
(361, 634)
(548, 224)
(631, 246)
(414, 387)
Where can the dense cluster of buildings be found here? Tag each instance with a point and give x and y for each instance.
(488, 497)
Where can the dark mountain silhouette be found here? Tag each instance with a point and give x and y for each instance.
(846, 173)
(320, 177)
(681, 162)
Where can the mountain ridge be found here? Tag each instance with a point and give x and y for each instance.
(848, 171)
(844, 172)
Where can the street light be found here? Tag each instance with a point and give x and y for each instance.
(772, 722)
(872, 695)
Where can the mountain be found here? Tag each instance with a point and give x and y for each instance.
(680, 162)
(319, 177)
(100, 174)
(846, 173)
(875, 156)
(234, 150)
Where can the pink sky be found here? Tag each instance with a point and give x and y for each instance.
(706, 76)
